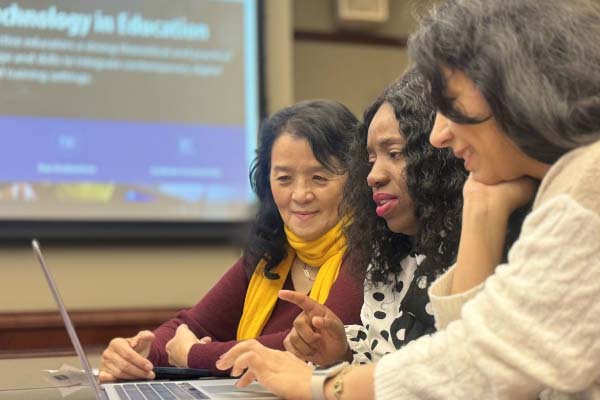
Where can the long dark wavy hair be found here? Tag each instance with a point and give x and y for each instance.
(329, 128)
(536, 63)
(434, 178)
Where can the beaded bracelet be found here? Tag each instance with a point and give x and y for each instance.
(338, 383)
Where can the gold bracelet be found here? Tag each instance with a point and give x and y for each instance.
(338, 383)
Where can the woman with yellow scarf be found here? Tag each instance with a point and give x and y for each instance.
(297, 243)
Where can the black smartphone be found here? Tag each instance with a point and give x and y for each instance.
(174, 373)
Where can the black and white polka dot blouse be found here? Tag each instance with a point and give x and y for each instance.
(392, 315)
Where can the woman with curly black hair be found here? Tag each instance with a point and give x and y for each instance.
(406, 225)
(297, 242)
(410, 226)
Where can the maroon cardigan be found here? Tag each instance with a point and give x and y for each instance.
(218, 313)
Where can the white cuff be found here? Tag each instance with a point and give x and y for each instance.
(446, 307)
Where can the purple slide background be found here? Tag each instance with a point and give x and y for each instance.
(121, 151)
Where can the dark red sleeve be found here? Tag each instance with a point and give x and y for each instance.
(216, 315)
(345, 300)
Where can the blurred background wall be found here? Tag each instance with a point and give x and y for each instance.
(308, 55)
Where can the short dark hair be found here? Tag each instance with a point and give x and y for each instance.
(329, 127)
(434, 178)
(537, 63)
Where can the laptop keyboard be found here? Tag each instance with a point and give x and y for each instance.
(159, 391)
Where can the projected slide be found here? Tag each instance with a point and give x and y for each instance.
(127, 110)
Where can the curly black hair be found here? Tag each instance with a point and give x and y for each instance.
(329, 127)
(434, 179)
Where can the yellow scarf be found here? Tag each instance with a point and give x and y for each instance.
(261, 296)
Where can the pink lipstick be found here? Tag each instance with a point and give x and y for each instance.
(385, 203)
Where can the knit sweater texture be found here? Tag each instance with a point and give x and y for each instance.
(532, 329)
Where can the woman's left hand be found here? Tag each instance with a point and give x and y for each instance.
(179, 346)
(504, 197)
(279, 371)
(485, 215)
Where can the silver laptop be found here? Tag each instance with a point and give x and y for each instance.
(148, 390)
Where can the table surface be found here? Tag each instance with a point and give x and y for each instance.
(22, 378)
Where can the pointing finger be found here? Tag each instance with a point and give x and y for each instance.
(304, 302)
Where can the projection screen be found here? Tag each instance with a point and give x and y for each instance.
(128, 110)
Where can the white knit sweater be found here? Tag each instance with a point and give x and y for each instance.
(533, 328)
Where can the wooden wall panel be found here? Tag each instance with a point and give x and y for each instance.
(44, 332)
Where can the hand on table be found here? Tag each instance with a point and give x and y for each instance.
(125, 358)
(178, 348)
(279, 371)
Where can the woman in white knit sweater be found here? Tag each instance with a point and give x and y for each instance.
(517, 88)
